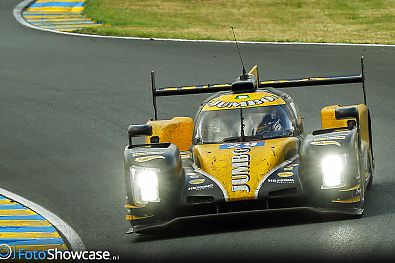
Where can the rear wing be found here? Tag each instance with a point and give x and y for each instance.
(213, 88)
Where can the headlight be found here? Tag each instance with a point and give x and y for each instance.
(333, 171)
(145, 184)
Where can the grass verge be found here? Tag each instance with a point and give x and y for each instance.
(357, 21)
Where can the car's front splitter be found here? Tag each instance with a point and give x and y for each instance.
(157, 226)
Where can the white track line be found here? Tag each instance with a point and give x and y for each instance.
(22, 6)
(71, 236)
(18, 13)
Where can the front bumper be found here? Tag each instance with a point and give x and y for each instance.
(158, 226)
(229, 209)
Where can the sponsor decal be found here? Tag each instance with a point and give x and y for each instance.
(234, 104)
(244, 145)
(241, 169)
(185, 155)
(148, 158)
(328, 138)
(197, 181)
(240, 97)
(285, 174)
(193, 175)
(201, 187)
(290, 167)
(282, 181)
(325, 143)
(136, 154)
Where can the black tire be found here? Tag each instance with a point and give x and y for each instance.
(361, 206)
(362, 189)
(370, 183)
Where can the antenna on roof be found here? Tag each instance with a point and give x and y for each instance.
(244, 75)
(363, 79)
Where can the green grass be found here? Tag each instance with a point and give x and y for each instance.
(354, 21)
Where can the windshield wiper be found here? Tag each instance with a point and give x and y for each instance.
(231, 139)
(242, 124)
(251, 138)
(285, 134)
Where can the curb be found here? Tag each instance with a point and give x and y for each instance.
(52, 15)
(35, 210)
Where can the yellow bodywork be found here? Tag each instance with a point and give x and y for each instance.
(328, 118)
(178, 130)
(254, 71)
(240, 170)
(329, 121)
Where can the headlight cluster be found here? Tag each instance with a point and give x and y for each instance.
(333, 168)
(144, 184)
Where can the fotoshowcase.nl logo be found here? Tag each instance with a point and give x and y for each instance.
(10, 252)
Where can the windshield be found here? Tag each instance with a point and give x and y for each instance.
(259, 123)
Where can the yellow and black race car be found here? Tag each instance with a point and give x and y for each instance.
(247, 151)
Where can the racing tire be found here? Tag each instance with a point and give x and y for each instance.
(370, 183)
(362, 189)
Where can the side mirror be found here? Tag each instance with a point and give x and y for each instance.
(136, 130)
(349, 112)
(346, 112)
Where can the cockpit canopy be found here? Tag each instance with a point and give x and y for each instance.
(260, 123)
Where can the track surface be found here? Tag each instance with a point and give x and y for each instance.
(66, 102)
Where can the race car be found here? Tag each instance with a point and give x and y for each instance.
(246, 150)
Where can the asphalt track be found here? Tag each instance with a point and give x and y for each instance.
(66, 102)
